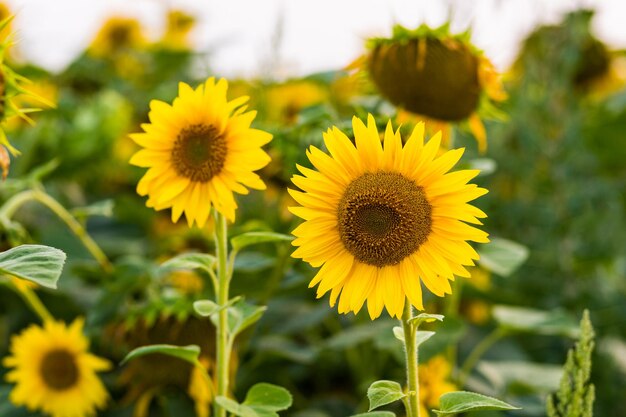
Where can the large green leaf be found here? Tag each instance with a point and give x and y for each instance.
(37, 263)
(187, 353)
(524, 319)
(384, 392)
(506, 376)
(252, 238)
(502, 256)
(464, 401)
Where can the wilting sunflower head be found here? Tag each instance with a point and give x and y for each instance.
(199, 150)
(432, 73)
(54, 372)
(382, 218)
(179, 25)
(116, 35)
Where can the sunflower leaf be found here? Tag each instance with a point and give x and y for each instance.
(464, 401)
(425, 318)
(268, 396)
(37, 263)
(252, 238)
(190, 260)
(241, 315)
(235, 408)
(422, 336)
(187, 353)
(503, 256)
(375, 414)
(384, 392)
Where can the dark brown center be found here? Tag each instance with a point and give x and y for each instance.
(59, 370)
(199, 152)
(120, 36)
(383, 218)
(428, 76)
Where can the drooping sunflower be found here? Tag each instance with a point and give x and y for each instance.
(380, 219)
(199, 150)
(54, 371)
(117, 34)
(434, 75)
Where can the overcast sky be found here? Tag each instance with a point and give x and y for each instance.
(316, 35)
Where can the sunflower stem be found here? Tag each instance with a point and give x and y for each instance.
(411, 350)
(32, 300)
(223, 348)
(479, 350)
(12, 205)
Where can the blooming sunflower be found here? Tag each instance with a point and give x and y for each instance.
(436, 75)
(200, 150)
(54, 372)
(381, 218)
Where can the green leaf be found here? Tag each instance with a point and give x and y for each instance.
(262, 400)
(398, 333)
(375, 414)
(355, 335)
(464, 401)
(384, 392)
(235, 408)
(242, 315)
(252, 238)
(425, 318)
(272, 397)
(187, 353)
(502, 256)
(191, 260)
(541, 378)
(205, 307)
(100, 208)
(37, 263)
(422, 336)
(523, 319)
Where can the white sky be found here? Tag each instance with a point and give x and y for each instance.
(317, 35)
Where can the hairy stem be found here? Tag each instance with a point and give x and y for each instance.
(223, 280)
(410, 344)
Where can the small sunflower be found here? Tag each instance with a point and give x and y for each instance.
(117, 34)
(433, 74)
(200, 150)
(285, 101)
(434, 378)
(380, 219)
(54, 372)
(179, 26)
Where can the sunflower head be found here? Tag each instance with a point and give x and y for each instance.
(179, 25)
(383, 218)
(434, 74)
(199, 151)
(285, 101)
(117, 34)
(434, 378)
(54, 362)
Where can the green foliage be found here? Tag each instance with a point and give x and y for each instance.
(262, 400)
(503, 256)
(576, 393)
(384, 392)
(37, 263)
(186, 353)
(462, 401)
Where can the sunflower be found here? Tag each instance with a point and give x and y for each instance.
(380, 219)
(436, 75)
(54, 372)
(117, 34)
(285, 101)
(179, 25)
(434, 382)
(200, 150)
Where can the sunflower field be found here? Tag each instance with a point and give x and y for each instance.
(416, 233)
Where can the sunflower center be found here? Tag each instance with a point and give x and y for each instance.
(199, 152)
(120, 36)
(383, 218)
(59, 370)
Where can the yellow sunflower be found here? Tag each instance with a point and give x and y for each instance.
(117, 34)
(200, 150)
(436, 76)
(54, 372)
(381, 218)
(434, 382)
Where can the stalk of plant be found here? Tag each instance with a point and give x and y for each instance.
(224, 341)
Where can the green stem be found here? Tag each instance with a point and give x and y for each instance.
(224, 345)
(33, 301)
(410, 345)
(11, 206)
(479, 350)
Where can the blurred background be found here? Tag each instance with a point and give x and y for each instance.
(554, 128)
